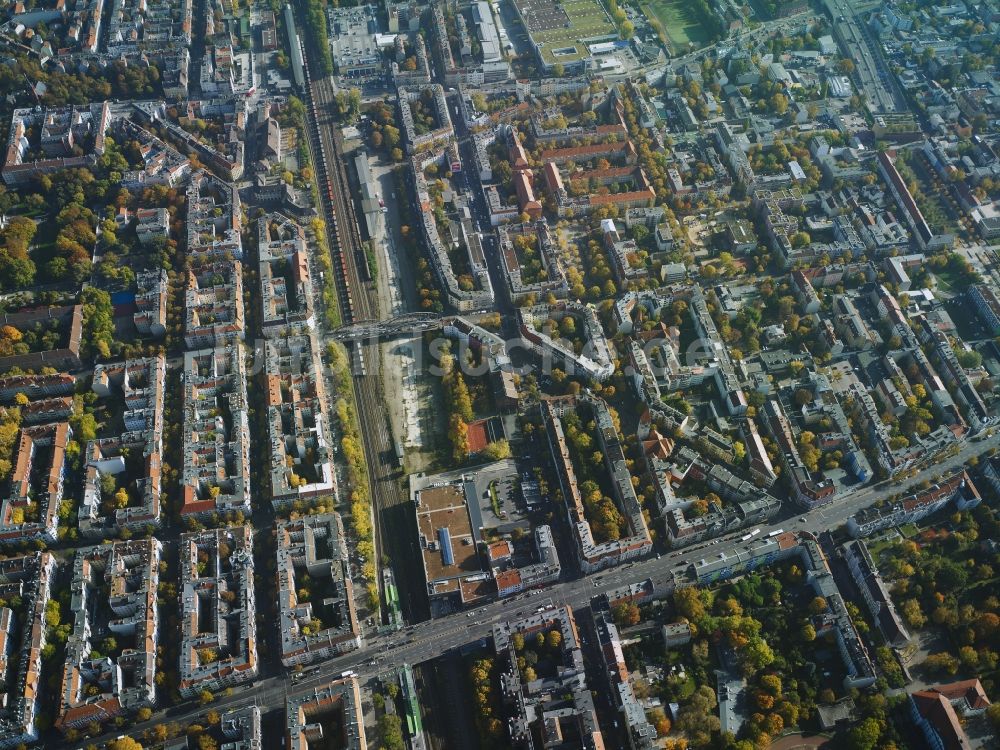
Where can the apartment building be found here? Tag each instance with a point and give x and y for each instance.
(216, 436)
(624, 254)
(30, 511)
(875, 593)
(213, 305)
(323, 623)
(160, 163)
(511, 580)
(152, 224)
(774, 209)
(640, 732)
(218, 647)
(225, 155)
(25, 586)
(37, 386)
(59, 131)
(297, 419)
(726, 379)
(286, 288)
(851, 327)
(547, 568)
(150, 316)
(542, 133)
(241, 728)
(46, 411)
(130, 461)
(915, 506)
(557, 705)
(635, 541)
(594, 359)
(926, 238)
(987, 305)
(64, 355)
(214, 220)
(966, 393)
(148, 26)
(463, 238)
(745, 504)
(530, 263)
(494, 350)
(430, 96)
(805, 293)
(336, 704)
(113, 592)
(442, 45)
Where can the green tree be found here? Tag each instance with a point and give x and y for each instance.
(689, 603)
(625, 613)
(497, 450)
(865, 736)
(943, 663)
(817, 606)
(98, 322)
(390, 729)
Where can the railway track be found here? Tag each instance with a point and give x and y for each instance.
(331, 198)
(393, 535)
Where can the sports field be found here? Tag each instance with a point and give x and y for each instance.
(560, 30)
(679, 20)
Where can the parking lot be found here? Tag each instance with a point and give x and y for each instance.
(505, 486)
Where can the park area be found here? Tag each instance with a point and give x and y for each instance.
(681, 22)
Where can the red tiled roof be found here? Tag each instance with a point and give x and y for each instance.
(499, 549)
(478, 436)
(940, 714)
(971, 690)
(507, 579)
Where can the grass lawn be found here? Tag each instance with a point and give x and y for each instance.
(44, 245)
(948, 280)
(880, 545)
(494, 500)
(679, 21)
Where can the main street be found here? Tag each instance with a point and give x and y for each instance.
(432, 638)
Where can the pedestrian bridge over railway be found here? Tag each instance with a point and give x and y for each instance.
(385, 329)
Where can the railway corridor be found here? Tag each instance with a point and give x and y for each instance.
(394, 527)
